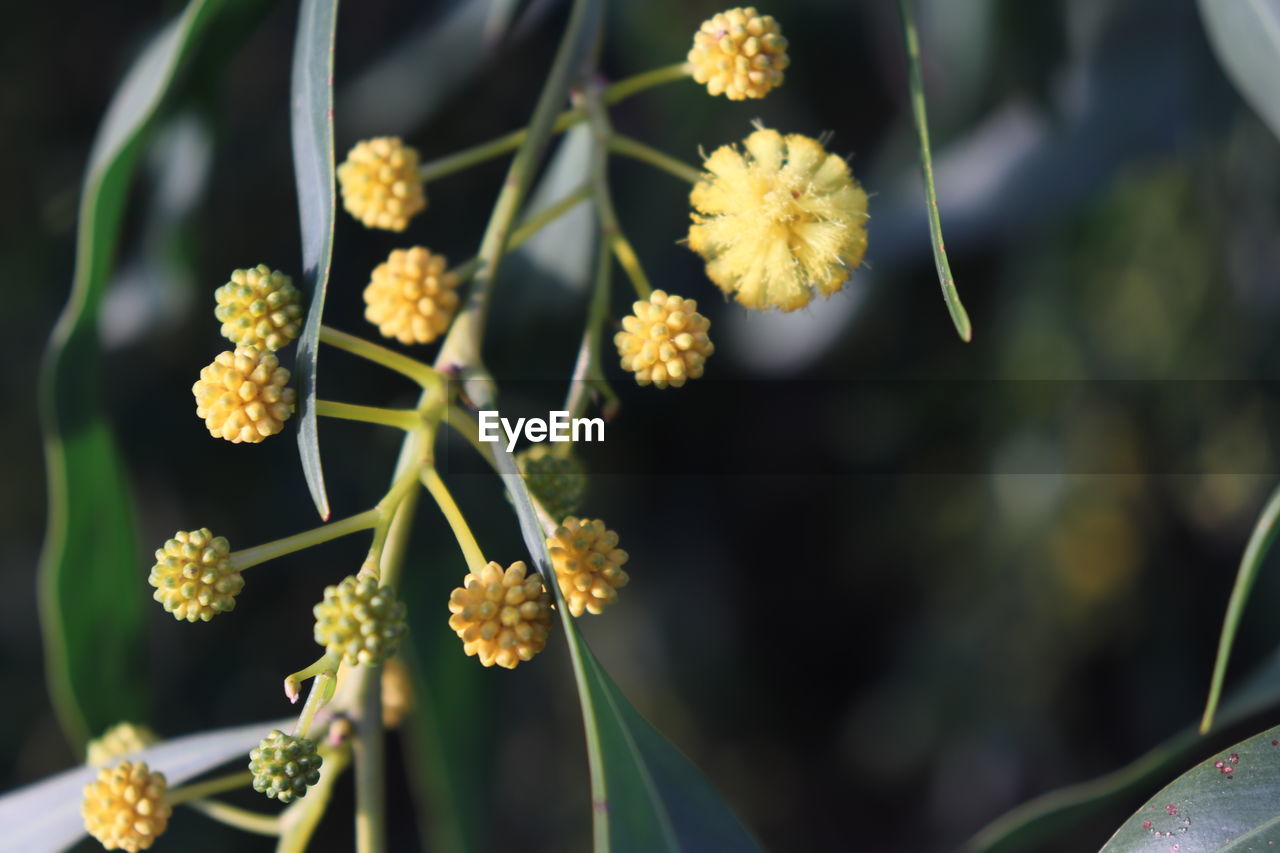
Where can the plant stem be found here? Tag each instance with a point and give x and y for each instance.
(610, 227)
(637, 150)
(400, 418)
(321, 692)
(200, 790)
(532, 226)
(587, 372)
(466, 539)
(416, 370)
(242, 819)
(299, 821)
(629, 86)
(250, 557)
(462, 422)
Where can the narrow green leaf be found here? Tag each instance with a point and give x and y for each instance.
(45, 816)
(1229, 802)
(1264, 533)
(91, 589)
(311, 114)
(1245, 35)
(647, 796)
(959, 316)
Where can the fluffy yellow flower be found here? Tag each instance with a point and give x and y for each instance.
(664, 341)
(739, 54)
(118, 741)
(242, 395)
(588, 564)
(777, 220)
(124, 808)
(411, 296)
(380, 183)
(502, 617)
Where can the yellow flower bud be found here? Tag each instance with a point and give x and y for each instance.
(360, 620)
(380, 183)
(411, 296)
(502, 617)
(739, 54)
(124, 808)
(588, 564)
(664, 341)
(118, 741)
(778, 220)
(259, 307)
(242, 395)
(193, 577)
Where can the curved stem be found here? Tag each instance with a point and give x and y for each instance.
(250, 557)
(531, 226)
(416, 370)
(400, 418)
(321, 692)
(587, 372)
(629, 86)
(200, 790)
(242, 819)
(466, 539)
(637, 150)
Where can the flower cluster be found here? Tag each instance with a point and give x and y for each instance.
(360, 620)
(380, 183)
(259, 307)
(503, 617)
(125, 808)
(411, 296)
(118, 741)
(243, 396)
(284, 766)
(193, 577)
(588, 564)
(739, 54)
(664, 340)
(557, 481)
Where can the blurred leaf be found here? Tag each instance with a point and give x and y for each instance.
(1264, 534)
(1229, 802)
(311, 115)
(1245, 35)
(647, 795)
(950, 295)
(91, 589)
(45, 817)
(565, 248)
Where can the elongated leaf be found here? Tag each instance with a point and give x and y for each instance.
(45, 817)
(950, 294)
(91, 589)
(1245, 35)
(647, 795)
(1229, 802)
(311, 115)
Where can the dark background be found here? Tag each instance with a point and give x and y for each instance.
(885, 585)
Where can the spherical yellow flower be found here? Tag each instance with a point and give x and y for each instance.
(380, 183)
(259, 307)
(503, 617)
(778, 220)
(118, 741)
(411, 297)
(360, 620)
(242, 395)
(558, 482)
(739, 54)
(588, 564)
(124, 808)
(664, 340)
(193, 577)
(284, 766)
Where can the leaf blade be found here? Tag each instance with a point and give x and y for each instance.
(1245, 35)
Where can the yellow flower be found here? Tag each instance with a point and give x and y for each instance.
(411, 297)
(778, 220)
(242, 395)
(739, 54)
(193, 577)
(664, 341)
(118, 741)
(124, 808)
(502, 617)
(380, 183)
(360, 620)
(588, 564)
(259, 307)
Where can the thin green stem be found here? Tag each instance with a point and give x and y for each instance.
(416, 370)
(1263, 536)
(293, 682)
(399, 418)
(637, 150)
(915, 81)
(200, 790)
(321, 692)
(242, 819)
(299, 821)
(629, 86)
(465, 425)
(250, 557)
(404, 483)
(610, 226)
(444, 499)
(530, 227)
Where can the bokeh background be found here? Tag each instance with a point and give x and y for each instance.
(885, 585)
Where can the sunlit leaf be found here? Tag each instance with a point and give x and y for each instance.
(311, 115)
(1245, 35)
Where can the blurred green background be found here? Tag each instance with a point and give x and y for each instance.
(885, 585)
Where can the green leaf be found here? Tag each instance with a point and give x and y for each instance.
(92, 591)
(311, 115)
(45, 816)
(1229, 802)
(1245, 35)
(1264, 534)
(647, 796)
(950, 295)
